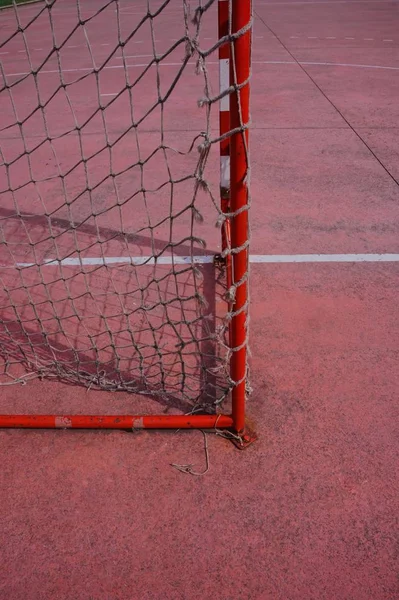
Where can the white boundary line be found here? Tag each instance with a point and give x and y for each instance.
(183, 260)
(254, 62)
(302, 2)
(322, 258)
(354, 66)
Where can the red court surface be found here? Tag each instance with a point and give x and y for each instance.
(310, 511)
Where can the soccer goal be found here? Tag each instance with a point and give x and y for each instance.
(124, 184)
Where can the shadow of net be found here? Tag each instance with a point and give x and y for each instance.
(146, 329)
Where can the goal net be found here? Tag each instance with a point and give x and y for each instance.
(110, 212)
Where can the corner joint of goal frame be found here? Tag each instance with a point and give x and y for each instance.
(245, 439)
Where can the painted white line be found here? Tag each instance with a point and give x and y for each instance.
(349, 38)
(294, 37)
(224, 82)
(331, 2)
(331, 38)
(327, 64)
(134, 56)
(178, 64)
(37, 48)
(183, 260)
(322, 258)
(4, 53)
(225, 171)
(387, 40)
(21, 51)
(312, 37)
(369, 39)
(322, 64)
(114, 94)
(90, 69)
(105, 44)
(112, 260)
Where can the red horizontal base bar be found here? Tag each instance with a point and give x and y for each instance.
(116, 422)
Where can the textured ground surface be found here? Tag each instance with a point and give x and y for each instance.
(310, 511)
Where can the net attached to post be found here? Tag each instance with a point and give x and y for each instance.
(109, 199)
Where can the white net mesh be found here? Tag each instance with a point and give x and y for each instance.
(109, 197)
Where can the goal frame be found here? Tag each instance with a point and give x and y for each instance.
(235, 23)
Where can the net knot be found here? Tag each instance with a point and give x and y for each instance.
(231, 294)
(192, 46)
(202, 102)
(220, 220)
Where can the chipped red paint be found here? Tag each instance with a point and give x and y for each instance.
(62, 422)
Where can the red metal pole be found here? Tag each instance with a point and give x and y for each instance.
(116, 422)
(239, 109)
